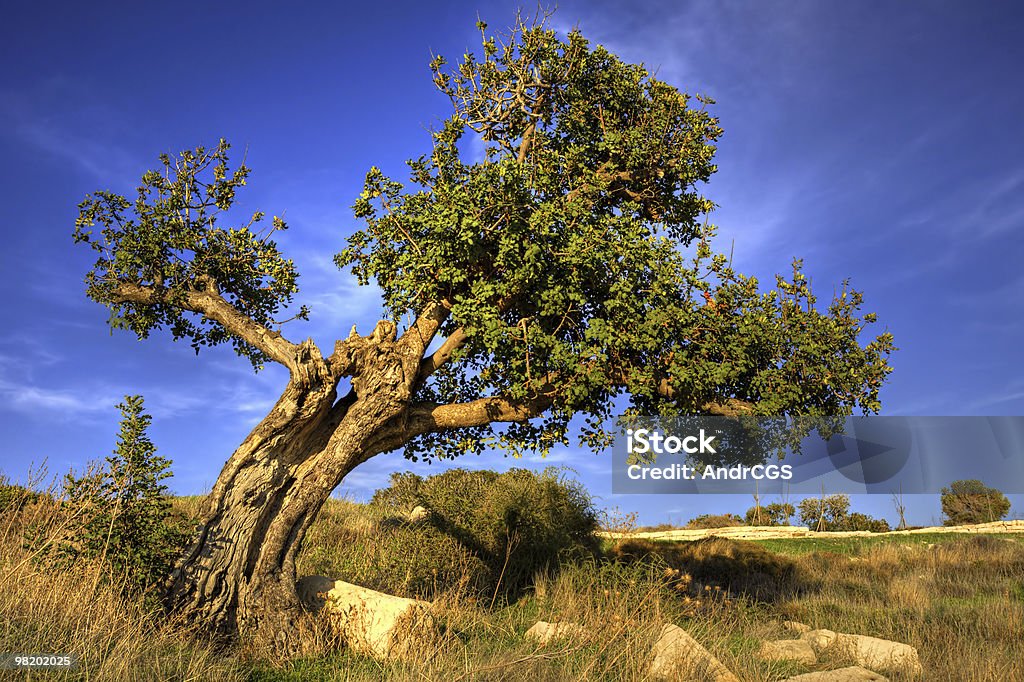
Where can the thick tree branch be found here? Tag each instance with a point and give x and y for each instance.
(212, 305)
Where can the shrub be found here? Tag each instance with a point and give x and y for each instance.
(715, 521)
(14, 497)
(971, 501)
(858, 521)
(517, 522)
(124, 514)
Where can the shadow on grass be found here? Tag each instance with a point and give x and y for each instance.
(737, 567)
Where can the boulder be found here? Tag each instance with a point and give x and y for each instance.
(819, 639)
(788, 650)
(796, 627)
(881, 654)
(851, 674)
(677, 654)
(373, 623)
(543, 632)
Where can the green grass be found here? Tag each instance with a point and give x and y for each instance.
(858, 545)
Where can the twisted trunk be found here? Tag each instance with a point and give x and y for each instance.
(238, 577)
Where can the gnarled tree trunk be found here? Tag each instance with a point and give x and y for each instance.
(238, 577)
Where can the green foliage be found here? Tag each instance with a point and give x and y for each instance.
(971, 501)
(774, 514)
(123, 509)
(517, 522)
(832, 509)
(168, 241)
(859, 521)
(577, 255)
(715, 521)
(14, 497)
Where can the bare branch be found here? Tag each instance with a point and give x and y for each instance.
(210, 304)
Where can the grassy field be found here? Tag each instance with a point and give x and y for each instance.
(958, 599)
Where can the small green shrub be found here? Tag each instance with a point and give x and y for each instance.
(516, 523)
(408, 561)
(121, 509)
(714, 521)
(14, 497)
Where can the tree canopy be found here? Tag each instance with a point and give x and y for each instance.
(553, 244)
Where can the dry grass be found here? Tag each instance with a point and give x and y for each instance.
(78, 612)
(961, 603)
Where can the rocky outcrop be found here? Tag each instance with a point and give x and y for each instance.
(796, 627)
(678, 656)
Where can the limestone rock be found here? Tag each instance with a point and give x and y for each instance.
(796, 627)
(378, 624)
(851, 674)
(819, 639)
(788, 650)
(676, 653)
(881, 654)
(544, 632)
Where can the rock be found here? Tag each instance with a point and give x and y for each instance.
(881, 654)
(419, 514)
(544, 632)
(788, 650)
(377, 624)
(676, 653)
(796, 627)
(819, 639)
(851, 674)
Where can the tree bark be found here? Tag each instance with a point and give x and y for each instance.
(238, 577)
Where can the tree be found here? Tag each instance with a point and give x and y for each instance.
(127, 519)
(774, 514)
(971, 501)
(830, 510)
(570, 266)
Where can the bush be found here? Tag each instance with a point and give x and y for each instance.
(858, 521)
(14, 497)
(123, 515)
(715, 521)
(971, 501)
(516, 523)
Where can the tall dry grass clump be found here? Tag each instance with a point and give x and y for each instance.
(79, 610)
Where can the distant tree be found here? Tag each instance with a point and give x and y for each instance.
(833, 510)
(971, 501)
(569, 266)
(774, 514)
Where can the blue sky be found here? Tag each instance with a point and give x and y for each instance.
(879, 141)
